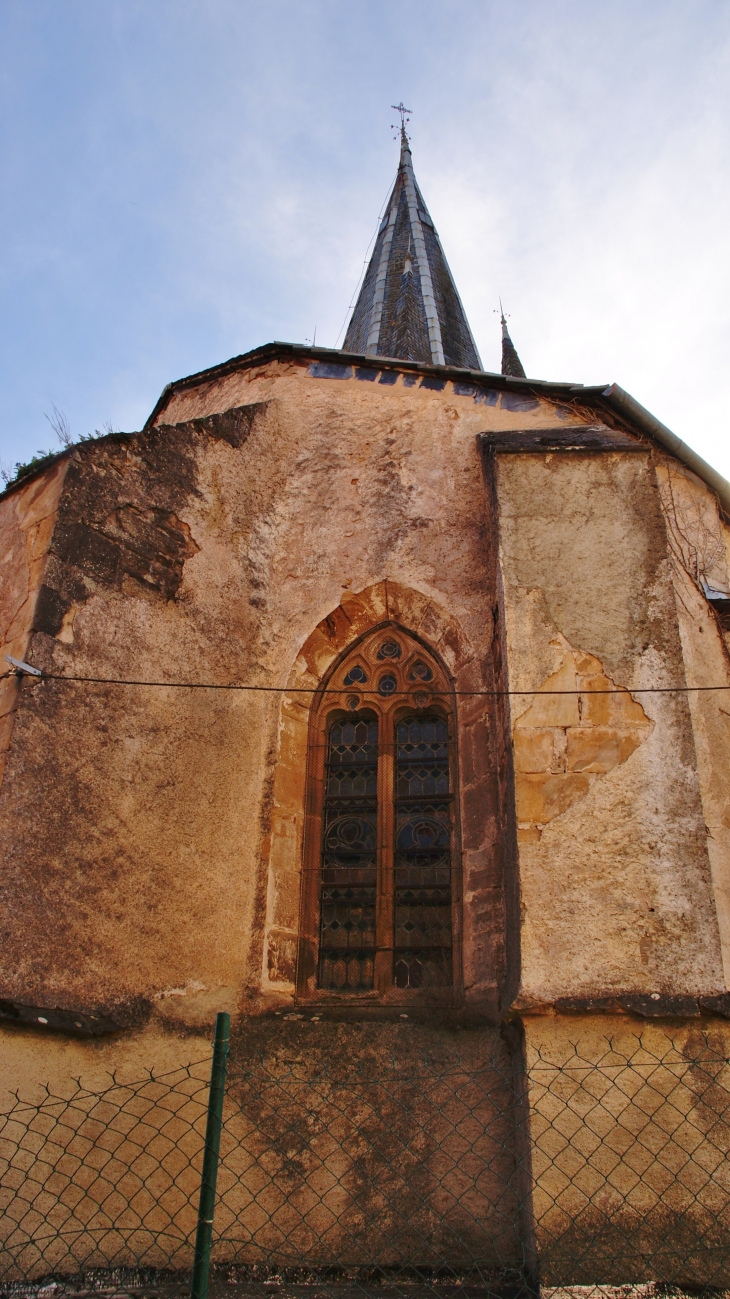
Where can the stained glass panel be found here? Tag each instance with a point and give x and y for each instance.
(390, 649)
(356, 674)
(347, 924)
(420, 671)
(422, 957)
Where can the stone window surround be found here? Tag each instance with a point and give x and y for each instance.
(437, 627)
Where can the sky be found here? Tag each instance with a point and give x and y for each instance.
(184, 180)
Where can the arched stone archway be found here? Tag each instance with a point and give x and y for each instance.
(388, 604)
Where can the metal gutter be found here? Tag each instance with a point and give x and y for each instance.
(643, 419)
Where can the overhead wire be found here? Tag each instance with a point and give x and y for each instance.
(341, 690)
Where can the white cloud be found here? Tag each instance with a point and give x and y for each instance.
(186, 180)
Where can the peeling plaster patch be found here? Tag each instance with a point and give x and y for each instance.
(194, 1005)
(66, 633)
(563, 743)
(189, 990)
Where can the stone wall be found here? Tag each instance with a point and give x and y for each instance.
(616, 882)
(27, 517)
(153, 835)
(628, 1140)
(270, 517)
(211, 548)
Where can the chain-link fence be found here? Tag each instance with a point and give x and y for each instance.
(386, 1175)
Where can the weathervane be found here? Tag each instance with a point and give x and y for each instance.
(405, 116)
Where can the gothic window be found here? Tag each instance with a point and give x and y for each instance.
(379, 915)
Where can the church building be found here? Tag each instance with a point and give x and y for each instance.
(377, 699)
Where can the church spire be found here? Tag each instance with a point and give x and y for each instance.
(408, 305)
(511, 363)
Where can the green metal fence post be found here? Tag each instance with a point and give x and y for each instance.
(204, 1235)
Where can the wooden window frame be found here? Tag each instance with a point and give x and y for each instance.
(336, 701)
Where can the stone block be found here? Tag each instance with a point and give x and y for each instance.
(317, 654)
(477, 758)
(405, 605)
(616, 708)
(595, 708)
(600, 748)
(592, 748)
(534, 749)
(549, 707)
(627, 711)
(542, 797)
(365, 608)
(281, 956)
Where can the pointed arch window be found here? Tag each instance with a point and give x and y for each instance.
(380, 913)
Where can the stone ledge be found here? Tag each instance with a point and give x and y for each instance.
(642, 1005)
(588, 437)
(73, 1022)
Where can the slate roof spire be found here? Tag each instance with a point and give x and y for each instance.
(408, 306)
(511, 363)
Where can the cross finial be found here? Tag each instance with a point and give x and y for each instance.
(503, 319)
(405, 116)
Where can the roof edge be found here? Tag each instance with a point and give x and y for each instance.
(56, 457)
(614, 396)
(301, 351)
(628, 406)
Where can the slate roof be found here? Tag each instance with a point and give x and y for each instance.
(408, 306)
(511, 363)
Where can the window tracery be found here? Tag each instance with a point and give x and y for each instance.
(380, 919)
(390, 649)
(355, 675)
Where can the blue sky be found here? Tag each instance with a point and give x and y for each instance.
(187, 179)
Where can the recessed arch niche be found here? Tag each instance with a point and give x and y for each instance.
(425, 621)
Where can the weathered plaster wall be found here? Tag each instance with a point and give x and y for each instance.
(628, 1149)
(397, 1148)
(697, 549)
(267, 521)
(210, 549)
(481, 819)
(27, 517)
(616, 883)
